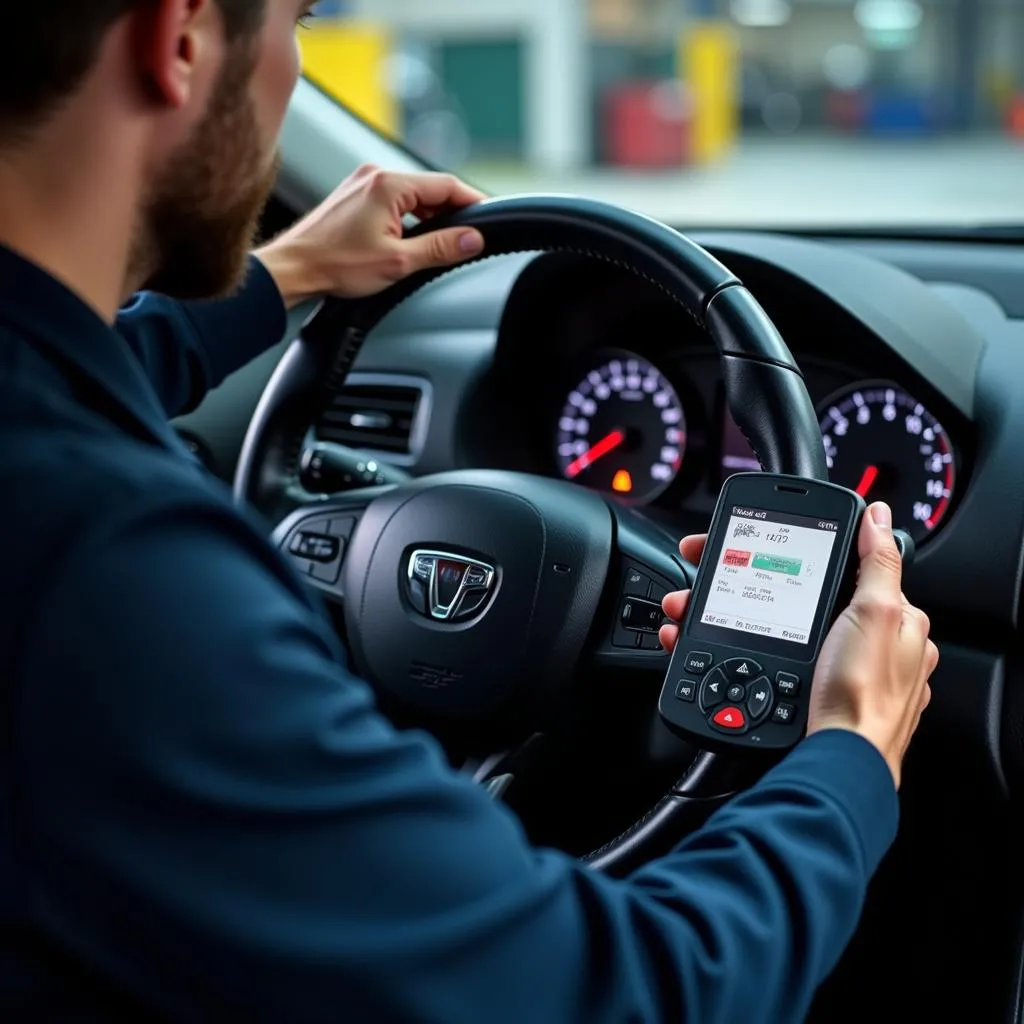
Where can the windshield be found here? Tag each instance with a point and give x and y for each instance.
(789, 113)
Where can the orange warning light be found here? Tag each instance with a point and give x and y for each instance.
(622, 482)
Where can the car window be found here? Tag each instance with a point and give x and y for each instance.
(746, 112)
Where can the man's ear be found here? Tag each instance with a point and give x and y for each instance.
(179, 40)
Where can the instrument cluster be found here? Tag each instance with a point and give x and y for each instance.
(622, 429)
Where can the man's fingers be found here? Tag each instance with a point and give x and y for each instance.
(668, 635)
(879, 584)
(692, 547)
(674, 604)
(441, 249)
(434, 191)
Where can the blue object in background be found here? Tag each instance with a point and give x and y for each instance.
(894, 113)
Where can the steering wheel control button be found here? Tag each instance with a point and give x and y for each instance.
(712, 691)
(741, 670)
(760, 699)
(784, 713)
(735, 693)
(342, 527)
(650, 642)
(729, 719)
(686, 689)
(638, 584)
(639, 614)
(622, 637)
(787, 684)
(697, 663)
(317, 547)
(328, 572)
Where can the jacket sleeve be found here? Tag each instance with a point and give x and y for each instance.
(188, 348)
(222, 821)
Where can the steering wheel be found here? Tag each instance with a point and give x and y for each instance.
(473, 598)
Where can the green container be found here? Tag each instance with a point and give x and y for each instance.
(486, 78)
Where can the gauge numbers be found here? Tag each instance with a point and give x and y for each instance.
(884, 444)
(622, 430)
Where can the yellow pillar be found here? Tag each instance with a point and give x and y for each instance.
(348, 60)
(708, 60)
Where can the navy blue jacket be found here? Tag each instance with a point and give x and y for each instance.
(203, 815)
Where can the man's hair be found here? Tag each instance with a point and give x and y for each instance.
(52, 44)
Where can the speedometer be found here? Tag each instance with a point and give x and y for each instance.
(622, 430)
(884, 444)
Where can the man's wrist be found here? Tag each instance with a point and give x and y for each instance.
(290, 271)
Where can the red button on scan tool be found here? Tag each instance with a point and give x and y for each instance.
(730, 718)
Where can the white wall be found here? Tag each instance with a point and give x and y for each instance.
(451, 17)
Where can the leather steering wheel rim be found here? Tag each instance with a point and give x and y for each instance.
(765, 390)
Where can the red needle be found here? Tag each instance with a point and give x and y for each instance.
(602, 448)
(867, 480)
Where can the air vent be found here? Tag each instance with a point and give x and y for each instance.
(376, 414)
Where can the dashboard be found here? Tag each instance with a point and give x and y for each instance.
(601, 380)
(554, 364)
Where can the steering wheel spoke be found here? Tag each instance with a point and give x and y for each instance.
(645, 569)
(316, 537)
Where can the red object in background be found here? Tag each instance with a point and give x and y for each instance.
(644, 127)
(845, 109)
(1015, 116)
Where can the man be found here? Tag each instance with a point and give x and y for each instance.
(203, 815)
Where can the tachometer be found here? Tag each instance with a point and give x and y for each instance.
(882, 443)
(622, 430)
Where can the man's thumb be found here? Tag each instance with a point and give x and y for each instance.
(445, 248)
(881, 567)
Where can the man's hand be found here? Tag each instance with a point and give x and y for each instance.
(352, 245)
(873, 671)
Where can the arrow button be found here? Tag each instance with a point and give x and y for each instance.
(760, 698)
(741, 670)
(712, 691)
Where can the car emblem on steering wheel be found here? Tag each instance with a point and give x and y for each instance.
(447, 587)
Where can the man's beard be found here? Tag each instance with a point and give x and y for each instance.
(203, 211)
